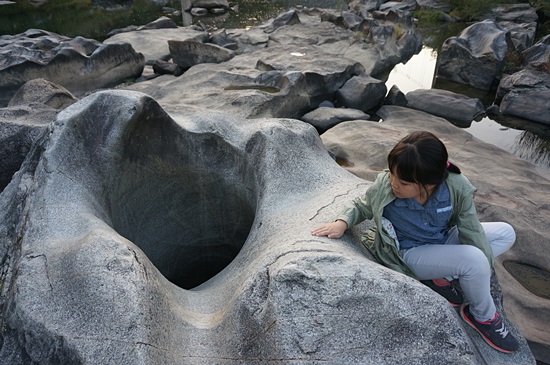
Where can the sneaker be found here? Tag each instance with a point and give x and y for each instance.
(494, 332)
(447, 291)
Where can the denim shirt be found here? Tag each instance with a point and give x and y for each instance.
(417, 224)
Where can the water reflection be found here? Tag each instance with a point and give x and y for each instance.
(525, 139)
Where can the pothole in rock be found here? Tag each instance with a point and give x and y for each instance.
(189, 209)
(536, 280)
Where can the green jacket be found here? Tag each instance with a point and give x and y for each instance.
(383, 247)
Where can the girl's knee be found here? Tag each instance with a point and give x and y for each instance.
(476, 262)
(502, 238)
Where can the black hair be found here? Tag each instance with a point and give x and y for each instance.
(421, 158)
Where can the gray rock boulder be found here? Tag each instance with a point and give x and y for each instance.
(520, 20)
(362, 93)
(324, 118)
(532, 104)
(40, 91)
(126, 256)
(447, 104)
(538, 56)
(509, 189)
(190, 53)
(525, 94)
(475, 57)
(78, 64)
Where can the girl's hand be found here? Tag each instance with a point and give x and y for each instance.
(331, 230)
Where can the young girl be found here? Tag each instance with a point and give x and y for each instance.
(426, 226)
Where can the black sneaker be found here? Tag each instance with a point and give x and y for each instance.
(494, 332)
(447, 291)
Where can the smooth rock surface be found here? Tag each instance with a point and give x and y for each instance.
(105, 266)
(78, 64)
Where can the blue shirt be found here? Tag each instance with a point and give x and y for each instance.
(417, 224)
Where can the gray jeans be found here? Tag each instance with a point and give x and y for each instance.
(465, 262)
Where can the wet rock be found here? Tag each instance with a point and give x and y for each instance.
(475, 57)
(447, 104)
(78, 64)
(529, 104)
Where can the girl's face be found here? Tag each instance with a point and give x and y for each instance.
(404, 189)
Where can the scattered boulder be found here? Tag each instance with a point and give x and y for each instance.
(361, 92)
(395, 97)
(475, 57)
(538, 56)
(529, 104)
(324, 118)
(190, 53)
(525, 94)
(40, 91)
(447, 104)
(32, 108)
(167, 68)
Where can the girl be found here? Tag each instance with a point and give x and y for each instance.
(426, 226)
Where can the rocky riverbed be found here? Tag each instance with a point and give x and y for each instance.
(167, 220)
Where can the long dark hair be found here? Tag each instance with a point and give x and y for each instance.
(421, 158)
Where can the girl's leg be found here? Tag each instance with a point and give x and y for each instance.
(501, 236)
(466, 262)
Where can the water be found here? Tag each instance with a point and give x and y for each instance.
(525, 139)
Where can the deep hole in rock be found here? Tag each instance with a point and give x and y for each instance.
(187, 204)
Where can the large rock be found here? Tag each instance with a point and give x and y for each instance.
(187, 241)
(78, 64)
(509, 189)
(475, 57)
(525, 94)
(447, 104)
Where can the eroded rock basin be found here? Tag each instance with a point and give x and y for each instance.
(185, 239)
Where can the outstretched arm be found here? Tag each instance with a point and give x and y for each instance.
(331, 230)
